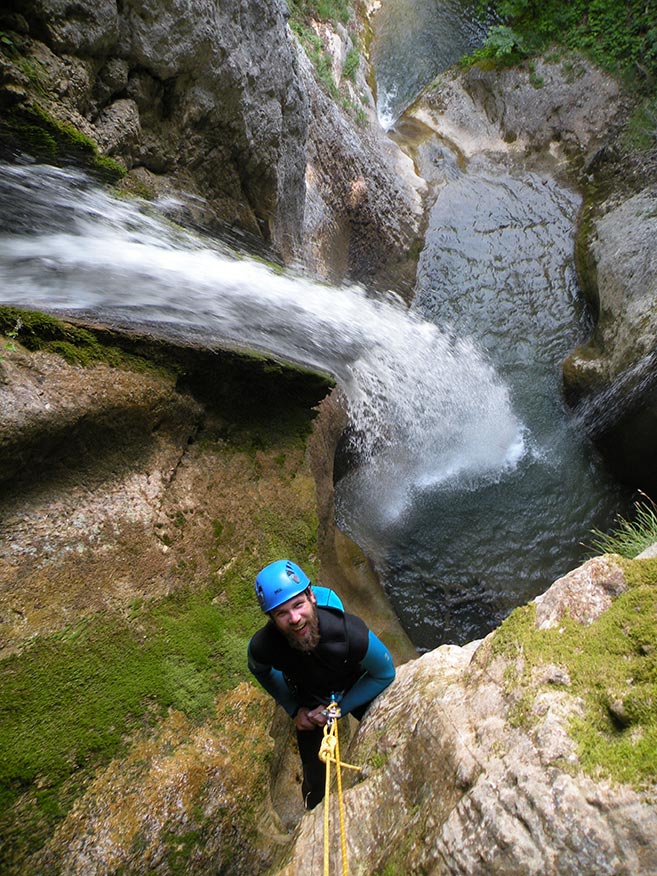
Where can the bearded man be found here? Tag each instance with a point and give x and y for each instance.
(312, 652)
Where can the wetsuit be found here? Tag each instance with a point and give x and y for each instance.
(349, 662)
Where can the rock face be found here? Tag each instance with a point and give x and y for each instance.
(97, 465)
(469, 774)
(216, 106)
(612, 379)
(152, 476)
(194, 95)
(569, 102)
(363, 198)
(566, 108)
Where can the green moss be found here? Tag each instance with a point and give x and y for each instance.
(641, 130)
(68, 701)
(32, 129)
(78, 346)
(612, 664)
(377, 760)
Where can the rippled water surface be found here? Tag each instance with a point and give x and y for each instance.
(414, 40)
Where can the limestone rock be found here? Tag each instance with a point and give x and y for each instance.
(456, 786)
(218, 104)
(82, 27)
(214, 96)
(625, 285)
(582, 594)
(568, 102)
(565, 107)
(611, 379)
(363, 202)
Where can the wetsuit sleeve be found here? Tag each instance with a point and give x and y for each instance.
(378, 673)
(274, 683)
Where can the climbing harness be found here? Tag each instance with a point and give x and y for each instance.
(329, 753)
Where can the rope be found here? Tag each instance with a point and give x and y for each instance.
(329, 753)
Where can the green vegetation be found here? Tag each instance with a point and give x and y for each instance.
(641, 130)
(68, 701)
(318, 56)
(630, 537)
(612, 666)
(302, 15)
(320, 10)
(72, 701)
(38, 331)
(620, 36)
(33, 129)
(351, 63)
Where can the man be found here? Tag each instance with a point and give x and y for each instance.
(309, 652)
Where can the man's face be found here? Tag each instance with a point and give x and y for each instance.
(297, 620)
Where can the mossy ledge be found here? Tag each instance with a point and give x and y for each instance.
(30, 128)
(611, 667)
(162, 642)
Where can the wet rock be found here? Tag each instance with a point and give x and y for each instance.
(623, 283)
(364, 205)
(119, 129)
(569, 102)
(220, 105)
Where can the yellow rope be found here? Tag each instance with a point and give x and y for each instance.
(329, 753)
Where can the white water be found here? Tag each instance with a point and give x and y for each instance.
(425, 406)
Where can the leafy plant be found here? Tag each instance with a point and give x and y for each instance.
(621, 37)
(641, 131)
(351, 63)
(502, 45)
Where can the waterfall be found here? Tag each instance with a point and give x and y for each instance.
(426, 406)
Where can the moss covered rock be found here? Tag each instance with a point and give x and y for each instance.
(532, 751)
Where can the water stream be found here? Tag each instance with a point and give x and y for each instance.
(417, 396)
(473, 489)
(497, 268)
(414, 40)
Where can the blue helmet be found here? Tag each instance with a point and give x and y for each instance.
(278, 582)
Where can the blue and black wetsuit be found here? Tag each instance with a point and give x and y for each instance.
(349, 661)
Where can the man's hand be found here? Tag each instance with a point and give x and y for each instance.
(309, 719)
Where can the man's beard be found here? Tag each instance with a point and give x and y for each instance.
(309, 642)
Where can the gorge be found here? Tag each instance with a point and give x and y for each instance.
(142, 491)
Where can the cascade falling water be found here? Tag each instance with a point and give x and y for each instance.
(425, 405)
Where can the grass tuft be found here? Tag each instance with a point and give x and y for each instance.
(629, 537)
